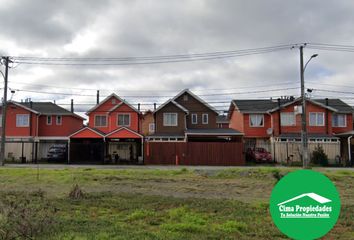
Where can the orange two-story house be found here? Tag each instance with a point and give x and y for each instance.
(33, 127)
(112, 133)
(272, 124)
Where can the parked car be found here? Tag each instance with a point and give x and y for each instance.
(57, 153)
(258, 155)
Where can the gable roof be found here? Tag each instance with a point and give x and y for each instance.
(173, 102)
(222, 119)
(268, 105)
(120, 104)
(254, 105)
(87, 132)
(131, 133)
(107, 98)
(45, 108)
(197, 98)
(337, 104)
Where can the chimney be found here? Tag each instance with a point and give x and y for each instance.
(31, 104)
(279, 116)
(98, 97)
(154, 106)
(72, 105)
(327, 121)
(139, 107)
(54, 101)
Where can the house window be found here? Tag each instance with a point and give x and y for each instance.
(170, 119)
(59, 120)
(0, 120)
(22, 120)
(205, 118)
(49, 120)
(100, 121)
(151, 127)
(194, 118)
(339, 120)
(316, 119)
(114, 101)
(123, 119)
(287, 119)
(185, 97)
(256, 120)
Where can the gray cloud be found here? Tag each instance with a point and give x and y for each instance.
(151, 28)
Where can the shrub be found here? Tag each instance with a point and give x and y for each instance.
(76, 192)
(319, 156)
(25, 217)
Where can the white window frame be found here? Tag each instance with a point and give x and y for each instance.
(100, 115)
(316, 124)
(0, 120)
(207, 118)
(283, 114)
(22, 115)
(151, 127)
(250, 123)
(57, 119)
(123, 114)
(196, 118)
(336, 115)
(165, 119)
(49, 119)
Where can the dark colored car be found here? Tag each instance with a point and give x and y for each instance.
(57, 153)
(258, 155)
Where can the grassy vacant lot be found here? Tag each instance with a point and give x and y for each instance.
(154, 204)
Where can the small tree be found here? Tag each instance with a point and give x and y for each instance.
(319, 156)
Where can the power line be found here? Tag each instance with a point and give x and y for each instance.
(151, 90)
(155, 96)
(145, 60)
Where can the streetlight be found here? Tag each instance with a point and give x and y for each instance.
(305, 155)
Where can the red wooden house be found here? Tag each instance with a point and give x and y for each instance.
(273, 124)
(32, 127)
(112, 133)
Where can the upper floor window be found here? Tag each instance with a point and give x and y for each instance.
(339, 120)
(22, 120)
(256, 120)
(205, 118)
(49, 120)
(316, 119)
(287, 119)
(59, 120)
(124, 119)
(114, 101)
(100, 121)
(194, 118)
(0, 120)
(151, 127)
(185, 97)
(170, 119)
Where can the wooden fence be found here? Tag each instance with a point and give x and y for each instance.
(293, 150)
(194, 153)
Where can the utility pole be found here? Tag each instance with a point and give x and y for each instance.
(303, 115)
(3, 111)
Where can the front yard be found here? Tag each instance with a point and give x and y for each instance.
(153, 204)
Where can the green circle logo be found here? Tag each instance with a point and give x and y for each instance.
(305, 205)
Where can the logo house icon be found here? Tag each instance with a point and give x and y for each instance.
(314, 196)
(295, 208)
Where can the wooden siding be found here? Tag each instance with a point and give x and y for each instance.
(181, 125)
(196, 107)
(194, 153)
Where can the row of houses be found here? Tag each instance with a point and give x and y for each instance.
(183, 130)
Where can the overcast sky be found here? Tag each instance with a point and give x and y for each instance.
(90, 28)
